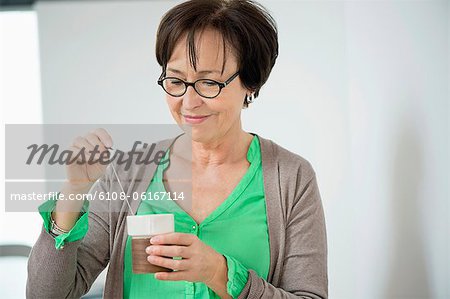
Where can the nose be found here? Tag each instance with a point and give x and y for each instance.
(191, 99)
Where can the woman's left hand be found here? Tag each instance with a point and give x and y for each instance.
(199, 263)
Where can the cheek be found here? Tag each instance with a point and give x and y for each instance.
(172, 103)
(232, 100)
(228, 110)
(174, 107)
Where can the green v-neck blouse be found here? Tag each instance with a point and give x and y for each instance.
(237, 229)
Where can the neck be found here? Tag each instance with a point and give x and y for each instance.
(227, 149)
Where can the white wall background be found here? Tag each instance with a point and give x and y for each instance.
(361, 89)
(20, 103)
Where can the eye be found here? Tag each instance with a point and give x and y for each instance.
(174, 81)
(208, 83)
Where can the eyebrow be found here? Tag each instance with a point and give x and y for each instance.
(204, 72)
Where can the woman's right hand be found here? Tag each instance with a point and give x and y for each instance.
(81, 177)
(85, 173)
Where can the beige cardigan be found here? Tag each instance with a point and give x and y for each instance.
(297, 234)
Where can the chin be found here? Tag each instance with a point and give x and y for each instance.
(197, 134)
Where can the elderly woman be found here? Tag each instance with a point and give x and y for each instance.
(253, 225)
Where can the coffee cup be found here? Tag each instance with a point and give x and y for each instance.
(142, 228)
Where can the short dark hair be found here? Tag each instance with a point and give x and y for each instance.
(245, 25)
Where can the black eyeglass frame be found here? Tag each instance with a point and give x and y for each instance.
(187, 84)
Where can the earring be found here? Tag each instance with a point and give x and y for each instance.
(251, 98)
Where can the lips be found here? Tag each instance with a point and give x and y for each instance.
(196, 116)
(195, 119)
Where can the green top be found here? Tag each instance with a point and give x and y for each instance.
(77, 232)
(237, 229)
(240, 220)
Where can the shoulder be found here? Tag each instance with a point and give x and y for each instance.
(287, 162)
(289, 177)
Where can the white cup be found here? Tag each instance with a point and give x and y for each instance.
(141, 228)
(150, 225)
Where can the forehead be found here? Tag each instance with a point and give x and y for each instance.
(211, 52)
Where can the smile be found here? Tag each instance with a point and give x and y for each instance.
(191, 119)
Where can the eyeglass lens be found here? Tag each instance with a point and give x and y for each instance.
(176, 87)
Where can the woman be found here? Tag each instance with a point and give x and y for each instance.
(255, 226)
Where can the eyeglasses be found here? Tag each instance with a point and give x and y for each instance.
(206, 88)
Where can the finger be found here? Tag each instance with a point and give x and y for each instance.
(104, 136)
(75, 151)
(79, 154)
(177, 275)
(173, 238)
(73, 163)
(81, 143)
(96, 142)
(167, 262)
(169, 251)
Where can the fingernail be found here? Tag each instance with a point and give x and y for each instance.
(148, 250)
(154, 239)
